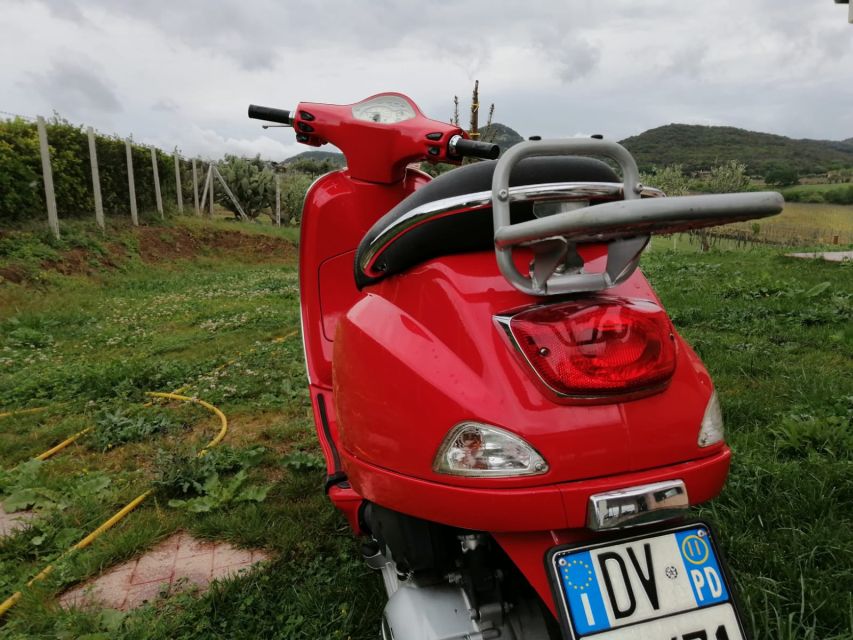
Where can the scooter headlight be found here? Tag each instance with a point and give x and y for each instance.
(483, 451)
(711, 431)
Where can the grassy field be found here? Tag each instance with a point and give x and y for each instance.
(88, 325)
(803, 224)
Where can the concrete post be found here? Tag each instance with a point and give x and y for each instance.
(96, 179)
(134, 216)
(47, 173)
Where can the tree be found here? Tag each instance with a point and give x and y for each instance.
(671, 180)
(314, 167)
(782, 176)
(294, 186)
(252, 182)
(728, 178)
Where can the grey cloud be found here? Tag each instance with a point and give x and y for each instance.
(552, 67)
(576, 60)
(74, 88)
(689, 61)
(165, 104)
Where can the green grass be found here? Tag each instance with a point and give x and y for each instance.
(774, 332)
(776, 336)
(89, 346)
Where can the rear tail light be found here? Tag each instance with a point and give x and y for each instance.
(596, 348)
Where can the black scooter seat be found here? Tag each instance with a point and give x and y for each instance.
(466, 230)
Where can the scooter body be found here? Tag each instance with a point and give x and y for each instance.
(484, 418)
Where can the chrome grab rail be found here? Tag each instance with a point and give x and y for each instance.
(625, 225)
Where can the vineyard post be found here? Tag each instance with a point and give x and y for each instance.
(229, 193)
(96, 179)
(130, 186)
(278, 199)
(204, 190)
(178, 191)
(210, 201)
(47, 172)
(157, 194)
(195, 190)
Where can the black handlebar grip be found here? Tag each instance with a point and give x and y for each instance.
(282, 116)
(476, 149)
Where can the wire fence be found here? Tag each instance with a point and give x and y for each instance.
(52, 169)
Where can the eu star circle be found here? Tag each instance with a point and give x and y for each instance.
(578, 575)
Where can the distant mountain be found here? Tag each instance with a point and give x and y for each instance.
(318, 156)
(501, 135)
(700, 147)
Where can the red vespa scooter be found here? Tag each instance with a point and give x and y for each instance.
(506, 411)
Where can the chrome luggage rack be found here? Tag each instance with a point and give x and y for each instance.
(625, 225)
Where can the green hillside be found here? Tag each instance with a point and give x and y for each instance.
(699, 147)
(318, 156)
(501, 135)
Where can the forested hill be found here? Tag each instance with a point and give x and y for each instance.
(698, 148)
(318, 156)
(501, 135)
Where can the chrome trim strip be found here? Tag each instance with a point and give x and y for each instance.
(553, 191)
(636, 506)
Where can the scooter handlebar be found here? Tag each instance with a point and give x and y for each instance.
(462, 147)
(270, 114)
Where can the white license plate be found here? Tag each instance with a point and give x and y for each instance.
(665, 585)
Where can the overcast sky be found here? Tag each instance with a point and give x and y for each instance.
(181, 72)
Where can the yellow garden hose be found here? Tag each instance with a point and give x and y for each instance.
(22, 412)
(62, 445)
(44, 455)
(130, 506)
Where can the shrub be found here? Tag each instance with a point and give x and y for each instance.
(22, 186)
(251, 181)
(671, 180)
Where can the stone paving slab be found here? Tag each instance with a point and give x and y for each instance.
(181, 560)
(830, 256)
(11, 522)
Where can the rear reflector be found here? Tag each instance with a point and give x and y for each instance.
(597, 348)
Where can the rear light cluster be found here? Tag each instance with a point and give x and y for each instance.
(596, 349)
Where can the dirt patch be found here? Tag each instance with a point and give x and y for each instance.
(156, 244)
(160, 244)
(13, 273)
(11, 522)
(74, 262)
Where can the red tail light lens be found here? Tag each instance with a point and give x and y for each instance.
(597, 348)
